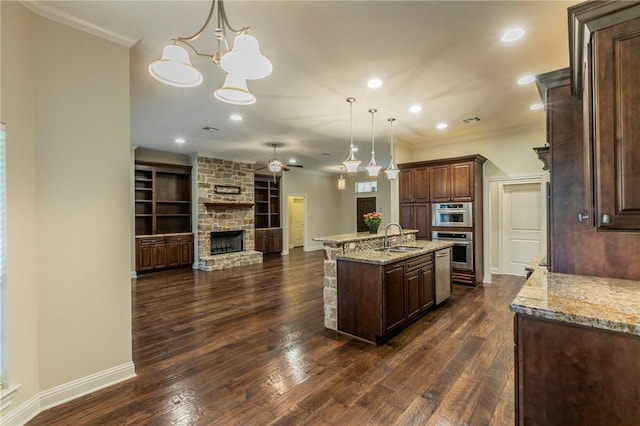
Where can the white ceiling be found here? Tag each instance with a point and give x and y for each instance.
(444, 55)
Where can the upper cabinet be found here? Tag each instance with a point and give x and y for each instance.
(451, 182)
(605, 60)
(414, 185)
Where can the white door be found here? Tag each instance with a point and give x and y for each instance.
(522, 226)
(296, 222)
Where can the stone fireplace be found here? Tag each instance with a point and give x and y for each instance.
(224, 213)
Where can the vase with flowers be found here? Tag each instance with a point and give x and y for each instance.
(372, 220)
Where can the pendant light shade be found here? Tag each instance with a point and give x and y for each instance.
(245, 59)
(235, 91)
(372, 168)
(351, 163)
(392, 171)
(342, 183)
(174, 68)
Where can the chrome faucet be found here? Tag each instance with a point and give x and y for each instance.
(386, 229)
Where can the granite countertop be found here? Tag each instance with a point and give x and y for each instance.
(345, 238)
(383, 257)
(605, 303)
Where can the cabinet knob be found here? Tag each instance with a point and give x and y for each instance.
(606, 219)
(582, 216)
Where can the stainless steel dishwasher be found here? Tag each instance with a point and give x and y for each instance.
(443, 275)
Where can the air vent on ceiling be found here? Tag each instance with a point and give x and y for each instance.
(472, 120)
(210, 129)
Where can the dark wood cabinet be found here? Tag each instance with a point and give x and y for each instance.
(159, 252)
(416, 216)
(616, 128)
(571, 375)
(451, 182)
(376, 301)
(268, 234)
(414, 185)
(162, 206)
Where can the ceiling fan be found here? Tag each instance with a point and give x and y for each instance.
(276, 165)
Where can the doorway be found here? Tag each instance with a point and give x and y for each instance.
(522, 224)
(364, 205)
(296, 221)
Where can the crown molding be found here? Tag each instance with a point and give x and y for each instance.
(43, 9)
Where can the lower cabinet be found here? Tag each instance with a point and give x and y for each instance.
(567, 374)
(268, 240)
(153, 253)
(375, 301)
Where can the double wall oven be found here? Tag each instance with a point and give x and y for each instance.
(455, 215)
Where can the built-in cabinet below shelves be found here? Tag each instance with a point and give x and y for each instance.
(268, 234)
(162, 198)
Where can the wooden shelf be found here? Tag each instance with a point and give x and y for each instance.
(172, 202)
(228, 205)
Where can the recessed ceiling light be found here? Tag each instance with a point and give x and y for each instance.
(512, 35)
(292, 160)
(536, 106)
(526, 79)
(415, 108)
(235, 117)
(442, 126)
(179, 140)
(374, 83)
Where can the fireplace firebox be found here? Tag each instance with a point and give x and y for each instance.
(226, 242)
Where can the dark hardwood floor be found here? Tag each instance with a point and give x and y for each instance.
(247, 346)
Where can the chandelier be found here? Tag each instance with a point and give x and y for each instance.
(243, 62)
(372, 168)
(351, 163)
(392, 171)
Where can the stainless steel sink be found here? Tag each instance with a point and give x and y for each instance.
(398, 249)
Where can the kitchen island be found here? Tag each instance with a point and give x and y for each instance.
(577, 357)
(382, 291)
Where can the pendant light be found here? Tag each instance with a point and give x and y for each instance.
(342, 183)
(373, 169)
(351, 163)
(392, 171)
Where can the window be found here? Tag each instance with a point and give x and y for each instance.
(371, 186)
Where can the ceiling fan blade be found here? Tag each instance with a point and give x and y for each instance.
(284, 167)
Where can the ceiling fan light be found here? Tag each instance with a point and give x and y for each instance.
(174, 68)
(234, 91)
(274, 166)
(245, 59)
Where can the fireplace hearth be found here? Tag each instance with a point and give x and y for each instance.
(226, 242)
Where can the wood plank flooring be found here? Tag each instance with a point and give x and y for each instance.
(247, 346)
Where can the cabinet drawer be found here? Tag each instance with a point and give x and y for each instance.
(419, 262)
(151, 241)
(179, 239)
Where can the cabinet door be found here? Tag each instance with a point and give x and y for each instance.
(144, 255)
(394, 297)
(413, 294)
(462, 182)
(406, 185)
(261, 240)
(427, 282)
(616, 97)
(422, 221)
(186, 252)
(421, 185)
(440, 183)
(274, 244)
(406, 216)
(173, 253)
(159, 254)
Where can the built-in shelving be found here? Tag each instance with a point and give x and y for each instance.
(219, 205)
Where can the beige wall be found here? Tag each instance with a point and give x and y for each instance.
(348, 200)
(145, 154)
(65, 100)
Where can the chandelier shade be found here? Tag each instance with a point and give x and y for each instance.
(245, 59)
(174, 68)
(235, 91)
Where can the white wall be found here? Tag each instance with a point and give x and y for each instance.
(65, 100)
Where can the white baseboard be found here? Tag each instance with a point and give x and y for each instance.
(66, 392)
(314, 248)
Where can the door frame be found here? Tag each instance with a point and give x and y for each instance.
(358, 197)
(540, 178)
(285, 223)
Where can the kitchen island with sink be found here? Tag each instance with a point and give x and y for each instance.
(381, 291)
